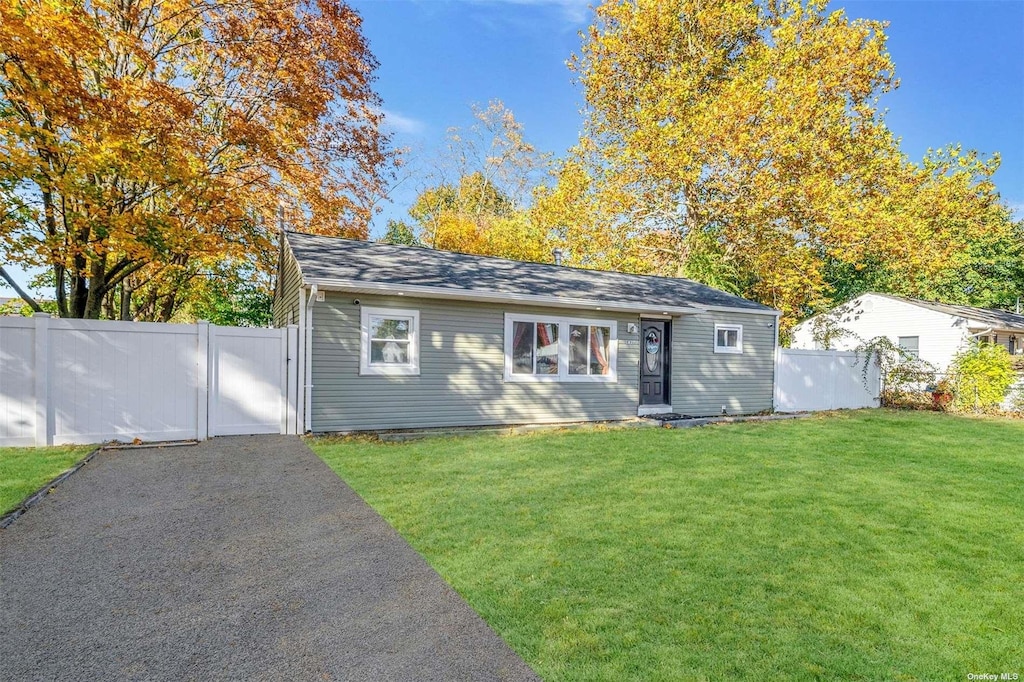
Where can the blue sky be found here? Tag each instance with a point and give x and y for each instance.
(961, 65)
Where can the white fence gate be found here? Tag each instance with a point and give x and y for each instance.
(87, 381)
(812, 380)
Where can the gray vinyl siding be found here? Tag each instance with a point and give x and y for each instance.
(461, 381)
(703, 381)
(286, 295)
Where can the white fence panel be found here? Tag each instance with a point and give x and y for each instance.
(87, 381)
(813, 380)
(17, 382)
(123, 380)
(249, 369)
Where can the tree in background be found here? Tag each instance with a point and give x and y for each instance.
(400, 232)
(959, 243)
(478, 194)
(143, 143)
(741, 143)
(234, 295)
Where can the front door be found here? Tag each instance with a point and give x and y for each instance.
(654, 362)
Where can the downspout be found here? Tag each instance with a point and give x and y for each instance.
(300, 365)
(308, 360)
(776, 356)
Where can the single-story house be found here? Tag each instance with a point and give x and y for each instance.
(934, 332)
(397, 337)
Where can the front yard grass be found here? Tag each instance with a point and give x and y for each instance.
(25, 470)
(869, 545)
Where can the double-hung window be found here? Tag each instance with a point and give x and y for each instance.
(910, 344)
(539, 348)
(390, 343)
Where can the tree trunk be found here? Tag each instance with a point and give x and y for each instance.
(167, 308)
(126, 301)
(94, 297)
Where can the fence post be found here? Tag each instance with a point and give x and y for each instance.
(203, 382)
(833, 373)
(44, 411)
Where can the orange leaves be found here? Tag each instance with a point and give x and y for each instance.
(163, 130)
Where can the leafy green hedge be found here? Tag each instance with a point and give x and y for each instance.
(981, 375)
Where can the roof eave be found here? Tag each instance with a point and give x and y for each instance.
(356, 287)
(973, 323)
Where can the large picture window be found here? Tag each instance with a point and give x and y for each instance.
(559, 349)
(390, 342)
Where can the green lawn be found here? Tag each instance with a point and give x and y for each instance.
(25, 470)
(868, 545)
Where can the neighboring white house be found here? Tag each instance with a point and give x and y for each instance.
(932, 331)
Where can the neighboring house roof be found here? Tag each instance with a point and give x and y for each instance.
(990, 317)
(356, 265)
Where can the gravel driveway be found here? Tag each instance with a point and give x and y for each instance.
(240, 558)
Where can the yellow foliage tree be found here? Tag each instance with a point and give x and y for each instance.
(478, 197)
(741, 143)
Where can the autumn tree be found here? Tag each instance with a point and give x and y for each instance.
(477, 195)
(741, 143)
(936, 231)
(144, 142)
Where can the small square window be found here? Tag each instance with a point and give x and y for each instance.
(390, 342)
(911, 344)
(728, 338)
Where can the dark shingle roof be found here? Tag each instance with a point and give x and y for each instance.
(993, 317)
(333, 258)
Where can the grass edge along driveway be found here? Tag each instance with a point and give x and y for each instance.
(861, 545)
(25, 470)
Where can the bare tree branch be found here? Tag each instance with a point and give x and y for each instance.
(32, 303)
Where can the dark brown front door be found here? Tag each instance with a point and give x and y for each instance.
(654, 362)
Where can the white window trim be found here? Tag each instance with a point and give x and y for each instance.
(738, 328)
(563, 375)
(412, 368)
(915, 353)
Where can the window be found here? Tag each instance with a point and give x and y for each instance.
(535, 348)
(559, 349)
(911, 344)
(728, 338)
(390, 342)
(588, 349)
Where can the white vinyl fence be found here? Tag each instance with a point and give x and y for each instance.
(87, 381)
(812, 380)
